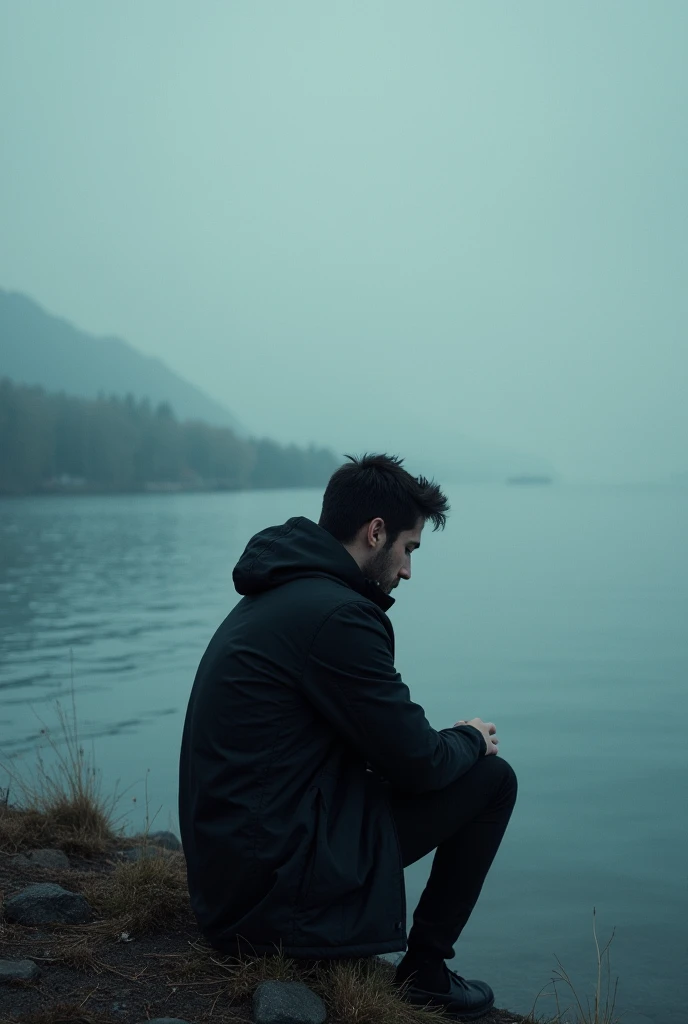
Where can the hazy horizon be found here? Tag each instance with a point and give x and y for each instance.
(369, 226)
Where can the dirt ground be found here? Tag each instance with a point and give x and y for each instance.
(91, 975)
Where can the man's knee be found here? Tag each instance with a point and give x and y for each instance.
(508, 773)
(509, 782)
(502, 776)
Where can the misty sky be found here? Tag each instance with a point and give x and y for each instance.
(369, 224)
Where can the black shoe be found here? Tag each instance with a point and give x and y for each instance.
(465, 1000)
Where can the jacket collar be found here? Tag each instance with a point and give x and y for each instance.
(371, 590)
(296, 549)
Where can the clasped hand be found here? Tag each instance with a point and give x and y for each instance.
(488, 730)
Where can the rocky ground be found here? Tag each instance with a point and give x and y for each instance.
(110, 939)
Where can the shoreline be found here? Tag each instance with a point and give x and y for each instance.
(110, 969)
(153, 492)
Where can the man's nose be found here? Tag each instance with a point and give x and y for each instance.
(405, 574)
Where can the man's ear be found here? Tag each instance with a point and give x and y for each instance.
(376, 534)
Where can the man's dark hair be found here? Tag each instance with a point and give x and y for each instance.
(372, 486)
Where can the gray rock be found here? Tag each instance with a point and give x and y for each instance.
(55, 859)
(168, 840)
(46, 903)
(287, 1002)
(18, 970)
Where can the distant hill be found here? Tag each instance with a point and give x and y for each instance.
(39, 348)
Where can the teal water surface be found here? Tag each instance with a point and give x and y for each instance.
(560, 613)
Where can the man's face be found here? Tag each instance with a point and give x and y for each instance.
(392, 562)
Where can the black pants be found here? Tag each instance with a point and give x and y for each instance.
(465, 823)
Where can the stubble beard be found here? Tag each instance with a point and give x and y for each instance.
(379, 570)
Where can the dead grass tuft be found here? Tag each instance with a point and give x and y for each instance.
(78, 953)
(75, 826)
(141, 896)
(362, 992)
(602, 1008)
(22, 829)
(204, 968)
(59, 800)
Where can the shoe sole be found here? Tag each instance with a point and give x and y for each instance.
(451, 1010)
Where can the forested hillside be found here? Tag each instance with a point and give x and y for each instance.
(37, 347)
(54, 442)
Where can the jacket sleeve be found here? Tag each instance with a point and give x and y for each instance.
(350, 678)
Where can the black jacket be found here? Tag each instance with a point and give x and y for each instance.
(296, 713)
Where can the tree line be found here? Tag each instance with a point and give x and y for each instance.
(53, 442)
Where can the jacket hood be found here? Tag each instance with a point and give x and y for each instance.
(297, 549)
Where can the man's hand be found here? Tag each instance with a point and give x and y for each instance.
(488, 730)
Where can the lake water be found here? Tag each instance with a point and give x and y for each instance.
(560, 613)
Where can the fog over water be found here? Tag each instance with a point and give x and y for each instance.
(372, 225)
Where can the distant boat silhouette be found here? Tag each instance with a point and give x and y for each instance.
(528, 479)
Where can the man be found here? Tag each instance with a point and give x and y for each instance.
(309, 778)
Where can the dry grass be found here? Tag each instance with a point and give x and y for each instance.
(142, 896)
(80, 952)
(206, 969)
(601, 1009)
(362, 992)
(59, 797)
(66, 826)
(354, 991)
(22, 830)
